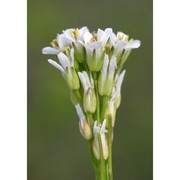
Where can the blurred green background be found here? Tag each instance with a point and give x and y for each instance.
(56, 150)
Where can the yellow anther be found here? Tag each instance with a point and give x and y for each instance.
(94, 38)
(54, 44)
(75, 33)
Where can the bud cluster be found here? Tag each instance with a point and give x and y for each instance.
(91, 64)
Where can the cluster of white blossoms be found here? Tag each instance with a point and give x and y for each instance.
(91, 64)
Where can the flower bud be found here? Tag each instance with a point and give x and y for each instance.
(110, 112)
(90, 100)
(79, 52)
(72, 78)
(85, 129)
(96, 149)
(97, 60)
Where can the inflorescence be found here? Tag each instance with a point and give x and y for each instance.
(91, 64)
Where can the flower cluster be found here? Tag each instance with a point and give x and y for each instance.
(91, 64)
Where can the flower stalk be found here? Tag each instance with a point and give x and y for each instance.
(92, 66)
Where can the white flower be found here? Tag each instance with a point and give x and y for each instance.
(129, 44)
(58, 45)
(94, 45)
(89, 99)
(101, 130)
(75, 36)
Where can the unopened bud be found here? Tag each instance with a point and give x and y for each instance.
(108, 86)
(96, 149)
(110, 112)
(79, 52)
(72, 78)
(85, 129)
(90, 100)
(96, 62)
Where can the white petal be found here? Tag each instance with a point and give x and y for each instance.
(104, 146)
(68, 35)
(103, 127)
(96, 45)
(120, 44)
(132, 45)
(89, 52)
(80, 114)
(102, 36)
(62, 41)
(122, 36)
(50, 50)
(81, 32)
(87, 79)
(120, 80)
(104, 69)
(91, 79)
(112, 36)
(87, 37)
(111, 103)
(85, 82)
(112, 66)
(96, 128)
(109, 30)
(64, 60)
(56, 65)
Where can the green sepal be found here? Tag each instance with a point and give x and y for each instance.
(75, 97)
(80, 54)
(72, 78)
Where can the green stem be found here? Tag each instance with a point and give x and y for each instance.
(95, 76)
(91, 122)
(110, 172)
(102, 161)
(93, 159)
(104, 101)
(97, 103)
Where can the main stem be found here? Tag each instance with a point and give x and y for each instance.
(110, 172)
